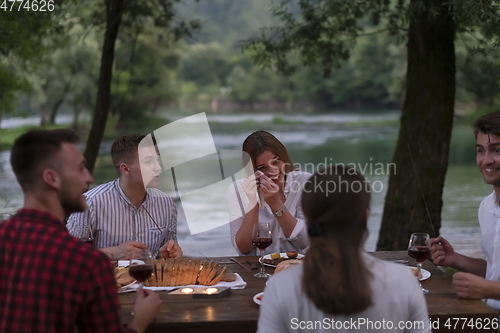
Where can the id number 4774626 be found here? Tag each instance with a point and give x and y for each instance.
(471, 323)
(27, 5)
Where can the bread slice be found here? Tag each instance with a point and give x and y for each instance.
(196, 270)
(169, 267)
(164, 273)
(174, 273)
(229, 276)
(190, 273)
(215, 268)
(203, 272)
(159, 272)
(211, 271)
(218, 276)
(182, 272)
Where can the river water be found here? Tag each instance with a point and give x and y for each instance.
(364, 140)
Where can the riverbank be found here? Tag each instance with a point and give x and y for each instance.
(9, 135)
(218, 123)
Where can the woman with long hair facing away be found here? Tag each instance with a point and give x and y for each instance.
(339, 286)
(270, 194)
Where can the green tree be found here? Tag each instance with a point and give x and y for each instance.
(326, 31)
(23, 42)
(144, 76)
(136, 15)
(478, 76)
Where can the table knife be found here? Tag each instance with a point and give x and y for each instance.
(239, 263)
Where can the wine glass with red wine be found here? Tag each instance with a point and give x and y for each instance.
(85, 235)
(418, 249)
(262, 238)
(142, 267)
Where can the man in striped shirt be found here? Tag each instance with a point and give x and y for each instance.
(125, 216)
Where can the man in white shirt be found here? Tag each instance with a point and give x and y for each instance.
(480, 278)
(129, 214)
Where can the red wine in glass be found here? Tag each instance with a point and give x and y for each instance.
(142, 268)
(262, 238)
(140, 272)
(262, 243)
(418, 249)
(419, 253)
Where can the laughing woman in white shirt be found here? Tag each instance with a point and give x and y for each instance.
(339, 287)
(279, 189)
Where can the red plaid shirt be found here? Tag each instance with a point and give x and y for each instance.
(51, 281)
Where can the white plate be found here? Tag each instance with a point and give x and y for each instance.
(425, 273)
(283, 255)
(122, 289)
(256, 298)
(126, 263)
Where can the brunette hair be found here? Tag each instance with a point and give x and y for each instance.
(34, 149)
(335, 201)
(124, 149)
(260, 141)
(487, 124)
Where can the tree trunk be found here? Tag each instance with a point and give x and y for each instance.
(114, 10)
(421, 154)
(57, 105)
(76, 114)
(55, 109)
(43, 115)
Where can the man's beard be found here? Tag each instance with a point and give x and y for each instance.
(71, 202)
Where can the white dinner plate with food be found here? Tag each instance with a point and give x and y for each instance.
(258, 298)
(425, 274)
(274, 262)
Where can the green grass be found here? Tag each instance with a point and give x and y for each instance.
(278, 120)
(113, 130)
(9, 135)
(376, 123)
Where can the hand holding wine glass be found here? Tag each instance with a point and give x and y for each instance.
(262, 238)
(142, 267)
(418, 249)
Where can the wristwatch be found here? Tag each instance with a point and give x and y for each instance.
(280, 212)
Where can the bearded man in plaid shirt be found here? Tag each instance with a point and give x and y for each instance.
(49, 280)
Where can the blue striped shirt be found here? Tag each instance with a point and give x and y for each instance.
(113, 219)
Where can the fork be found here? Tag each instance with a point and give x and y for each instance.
(253, 266)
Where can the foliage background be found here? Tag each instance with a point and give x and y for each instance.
(54, 67)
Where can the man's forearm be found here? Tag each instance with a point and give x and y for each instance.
(110, 252)
(470, 265)
(493, 290)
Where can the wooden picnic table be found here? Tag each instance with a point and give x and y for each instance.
(238, 313)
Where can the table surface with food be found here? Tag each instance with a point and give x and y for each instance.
(239, 310)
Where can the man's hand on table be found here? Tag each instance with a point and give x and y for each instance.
(126, 250)
(471, 286)
(171, 249)
(146, 308)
